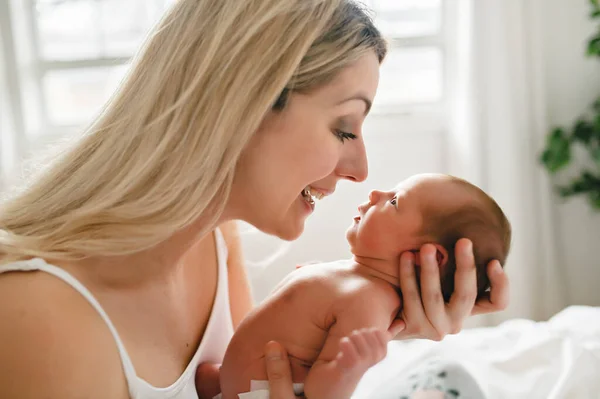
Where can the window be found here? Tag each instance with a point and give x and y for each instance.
(73, 55)
(412, 74)
(69, 55)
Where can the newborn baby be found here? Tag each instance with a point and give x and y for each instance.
(333, 318)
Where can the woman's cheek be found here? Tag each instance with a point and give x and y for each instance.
(327, 158)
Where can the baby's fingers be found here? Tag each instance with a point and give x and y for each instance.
(359, 340)
(378, 342)
(348, 356)
(371, 344)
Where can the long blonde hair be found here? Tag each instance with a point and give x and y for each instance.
(163, 151)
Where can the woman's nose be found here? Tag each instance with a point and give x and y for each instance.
(354, 166)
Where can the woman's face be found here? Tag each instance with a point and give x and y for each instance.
(314, 142)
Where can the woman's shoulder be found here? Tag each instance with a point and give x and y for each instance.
(53, 343)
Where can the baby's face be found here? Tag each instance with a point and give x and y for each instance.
(390, 222)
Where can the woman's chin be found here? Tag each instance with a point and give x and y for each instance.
(288, 227)
(285, 230)
(290, 232)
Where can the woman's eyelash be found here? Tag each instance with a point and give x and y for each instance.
(394, 201)
(343, 136)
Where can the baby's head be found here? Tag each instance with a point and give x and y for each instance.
(432, 208)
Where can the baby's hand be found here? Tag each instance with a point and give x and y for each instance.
(357, 353)
(362, 350)
(207, 380)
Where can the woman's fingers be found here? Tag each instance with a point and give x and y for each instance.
(424, 312)
(414, 322)
(396, 328)
(500, 288)
(431, 290)
(411, 295)
(465, 285)
(278, 372)
(498, 297)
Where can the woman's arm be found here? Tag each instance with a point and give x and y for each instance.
(240, 294)
(53, 344)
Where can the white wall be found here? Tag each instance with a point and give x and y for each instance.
(572, 83)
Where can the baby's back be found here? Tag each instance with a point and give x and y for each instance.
(300, 314)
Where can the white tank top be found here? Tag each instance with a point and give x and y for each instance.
(219, 329)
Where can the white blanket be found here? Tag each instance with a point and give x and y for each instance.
(520, 359)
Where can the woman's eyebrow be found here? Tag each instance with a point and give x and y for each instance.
(360, 97)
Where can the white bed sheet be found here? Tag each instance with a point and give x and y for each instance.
(519, 359)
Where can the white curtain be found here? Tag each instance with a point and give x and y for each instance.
(499, 124)
(7, 85)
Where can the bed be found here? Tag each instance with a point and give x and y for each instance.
(556, 359)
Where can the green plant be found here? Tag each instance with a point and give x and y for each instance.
(585, 133)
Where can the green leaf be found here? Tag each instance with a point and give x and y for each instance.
(595, 152)
(597, 105)
(595, 3)
(594, 198)
(585, 183)
(557, 153)
(595, 14)
(593, 48)
(583, 131)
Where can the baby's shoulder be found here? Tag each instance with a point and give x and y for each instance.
(365, 303)
(339, 282)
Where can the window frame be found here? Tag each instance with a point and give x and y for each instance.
(429, 114)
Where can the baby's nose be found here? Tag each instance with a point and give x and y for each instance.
(375, 196)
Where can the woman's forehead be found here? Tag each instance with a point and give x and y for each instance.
(358, 79)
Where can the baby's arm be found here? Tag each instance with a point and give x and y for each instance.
(357, 341)
(338, 378)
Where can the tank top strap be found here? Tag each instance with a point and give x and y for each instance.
(222, 251)
(38, 264)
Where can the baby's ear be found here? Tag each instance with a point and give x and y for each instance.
(441, 255)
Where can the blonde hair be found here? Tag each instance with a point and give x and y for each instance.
(163, 152)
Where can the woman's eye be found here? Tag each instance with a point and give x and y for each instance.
(394, 201)
(343, 136)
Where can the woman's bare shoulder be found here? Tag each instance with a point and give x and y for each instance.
(53, 344)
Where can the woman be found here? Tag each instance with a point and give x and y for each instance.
(234, 109)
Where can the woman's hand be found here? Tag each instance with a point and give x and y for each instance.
(424, 314)
(279, 372)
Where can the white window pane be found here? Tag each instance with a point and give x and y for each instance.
(407, 18)
(76, 96)
(125, 24)
(411, 76)
(67, 30)
(87, 29)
